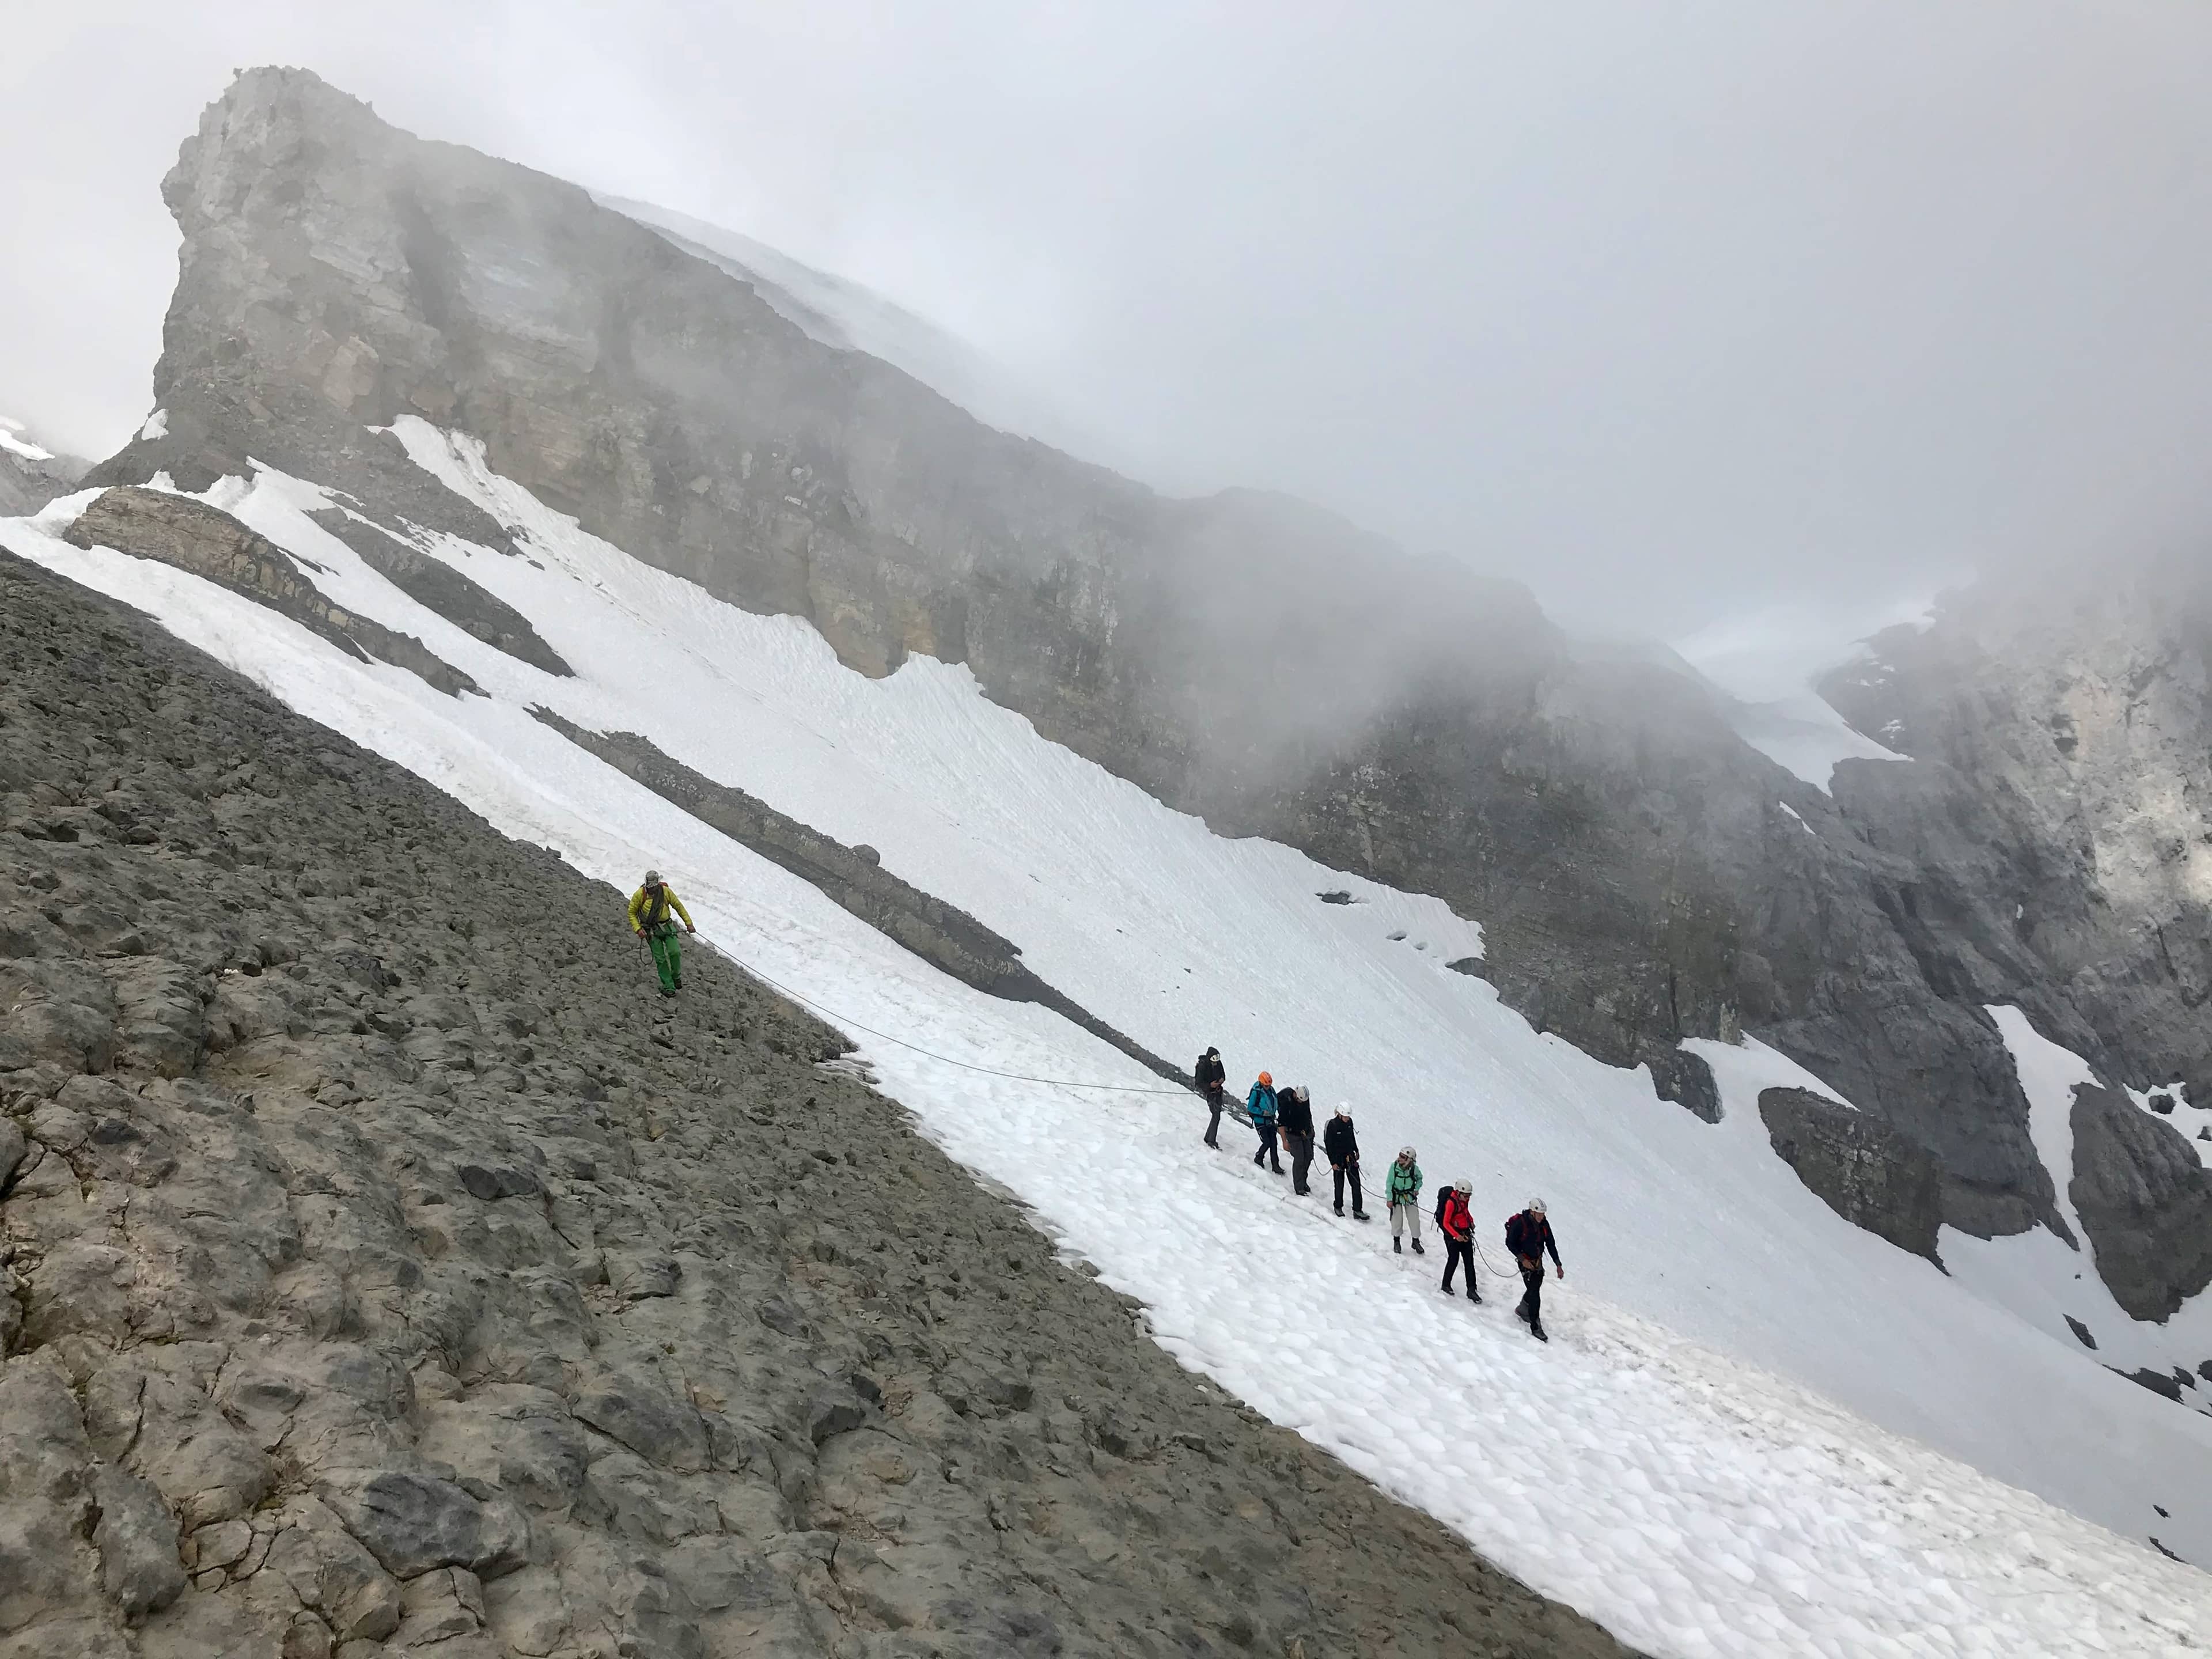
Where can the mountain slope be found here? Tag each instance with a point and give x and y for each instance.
(1642, 874)
(381, 1251)
(1690, 1500)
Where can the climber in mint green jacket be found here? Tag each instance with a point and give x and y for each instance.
(1402, 1192)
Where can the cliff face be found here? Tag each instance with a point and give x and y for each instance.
(1244, 656)
(2078, 721)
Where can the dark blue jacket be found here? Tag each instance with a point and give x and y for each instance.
(1528, 1236)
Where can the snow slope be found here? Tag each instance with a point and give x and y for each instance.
(1695, 1493)
(2038, 1276)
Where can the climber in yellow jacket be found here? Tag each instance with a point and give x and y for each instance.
(649, 918)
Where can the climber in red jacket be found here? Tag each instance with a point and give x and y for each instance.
(1456, 1222)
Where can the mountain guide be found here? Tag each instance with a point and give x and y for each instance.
(1401, 1196)
(1529, 1234)
(1260, 1105)
(1456, 1222)
(1210, 1076)
(649, 919)
(1294, 1107)
(1342, 1143)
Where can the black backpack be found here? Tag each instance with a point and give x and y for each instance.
(1443, 1192)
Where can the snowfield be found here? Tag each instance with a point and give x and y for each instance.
(1758, 1430)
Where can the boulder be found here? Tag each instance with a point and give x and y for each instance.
(2145, 1200)
(1858, 1166)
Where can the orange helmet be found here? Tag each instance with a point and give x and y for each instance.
(1267, 1077)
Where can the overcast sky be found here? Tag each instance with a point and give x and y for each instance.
(1673, 309)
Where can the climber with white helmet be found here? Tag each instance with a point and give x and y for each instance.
(1527, 1236)
(650, 919)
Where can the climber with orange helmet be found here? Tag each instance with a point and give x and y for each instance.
(1260, 1106)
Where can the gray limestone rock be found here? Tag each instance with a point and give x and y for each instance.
(1684, 1078)
(414, 1523)
(207, 542)
(136, 1537)
(1858, 1166)
(2145, 1200)
(466, 604)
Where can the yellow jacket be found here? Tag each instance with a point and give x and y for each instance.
(645, 912)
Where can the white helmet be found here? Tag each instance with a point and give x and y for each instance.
(1462, 1186)
(1535, 1206)
(653, 879)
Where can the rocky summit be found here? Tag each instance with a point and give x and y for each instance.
(1642, 874)
(384, 1267)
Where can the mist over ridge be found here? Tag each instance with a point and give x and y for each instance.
(1670, 318)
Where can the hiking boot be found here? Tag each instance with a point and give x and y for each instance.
(1417, 1250)
(1340, 1209)
(1359, 1215)
(1397, 1247)
(1537, 1331)
(1521, 1312)
(1473, 1295)
(680, 982)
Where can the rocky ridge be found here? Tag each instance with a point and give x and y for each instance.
(1244, 656)
(384, 1266)
(31, 475)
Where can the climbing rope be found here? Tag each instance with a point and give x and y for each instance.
(1235, 1107)
(832, 1015)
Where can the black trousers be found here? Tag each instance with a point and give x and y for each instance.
(1458, 1250)
(1268, 1153)
(1301, 1159)
(1533, 1279)
(1350, 1172)
(1214, 1104)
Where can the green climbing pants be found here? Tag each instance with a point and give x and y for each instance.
(667, 944)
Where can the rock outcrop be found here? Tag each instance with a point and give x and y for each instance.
(384, 1266)
(2145, 1200)
(467, 605)
(1858, 1166)
(205, 541)
(1638, 879)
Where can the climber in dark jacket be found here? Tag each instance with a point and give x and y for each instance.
(1294, 1111)
(1342, 1143)
(1260, 1106)
(1209, 1076)
(1529, 1234)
